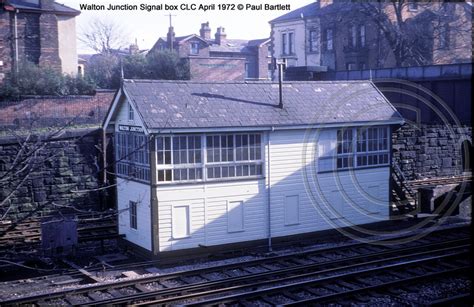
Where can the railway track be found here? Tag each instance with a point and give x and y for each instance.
(27, 235)
(251, 275)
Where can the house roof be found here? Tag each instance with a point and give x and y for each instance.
(309, 10)
(230, 45)
(194, 105)
(32, 6)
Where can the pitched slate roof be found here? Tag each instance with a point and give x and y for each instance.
(306, 11)
(185, 104)
(58, 7)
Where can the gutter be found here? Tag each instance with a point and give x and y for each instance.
(273, 128)
(269, 184)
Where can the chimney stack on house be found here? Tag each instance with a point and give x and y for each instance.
(220, 36)
(47, 5)
(205, 31)
(170, 37)
(48, 32)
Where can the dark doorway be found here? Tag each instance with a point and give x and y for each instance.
(466, 153)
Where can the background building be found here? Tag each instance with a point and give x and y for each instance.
(39, 31)
(219, 59)
(359, 35)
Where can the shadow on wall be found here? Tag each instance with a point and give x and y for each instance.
(301, 201)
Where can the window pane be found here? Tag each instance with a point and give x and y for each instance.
(225, 171)
(210, 155)
(183, 156)
(253, 170)
(176, 174)
(198, 173)
(159, 143)
(184, 174)
(231, 171)
(198, 156)
(161, 175)
(239, 169)
(168, 175)
(192, 173)
(217, 172)
(176, 159)
(167, 157)
(209, 141)
(245, 171)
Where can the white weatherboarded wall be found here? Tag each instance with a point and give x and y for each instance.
(219, 213)
(193, 215)
(122, 116)
(326, 199)
(138, 192)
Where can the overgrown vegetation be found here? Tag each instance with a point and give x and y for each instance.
(34, 80)
(105, 69)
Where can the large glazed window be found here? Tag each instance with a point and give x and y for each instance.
(132, 158)
(185, 158)
(179, 158)
(353, 148)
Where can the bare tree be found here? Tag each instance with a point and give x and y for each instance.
(414, 30)
(104, 36)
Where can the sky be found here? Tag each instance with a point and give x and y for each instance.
(147, 27)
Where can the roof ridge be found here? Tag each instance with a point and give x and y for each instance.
(245, 82)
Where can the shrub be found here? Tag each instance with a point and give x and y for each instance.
(34, 80)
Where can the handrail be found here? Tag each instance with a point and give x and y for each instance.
(402, 182)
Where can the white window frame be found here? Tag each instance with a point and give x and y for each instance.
(284, 43)
(362, 35)
(313, 40)
(133, 213)
(353, 157)
(131, 112)
(354, 36)
(194, 50)
(132, 156)
(252, 167)
(169, 170)
(329, 39)
(291, 43)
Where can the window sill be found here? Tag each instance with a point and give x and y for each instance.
(212, 181)
(235, 231)
(354, 168)
(293, 224)
(180, 238)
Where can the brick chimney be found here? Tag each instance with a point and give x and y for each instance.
(205, 31)
(133, 49)
(220, 36)
(47, 5)
(324, 3)
(49, 43)
(170, 38)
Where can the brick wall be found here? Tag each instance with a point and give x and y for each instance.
(217, 69)
(428, 151)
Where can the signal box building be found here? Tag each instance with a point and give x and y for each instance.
(210, 164)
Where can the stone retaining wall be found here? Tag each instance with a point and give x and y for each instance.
(428, 151)
(48, 183)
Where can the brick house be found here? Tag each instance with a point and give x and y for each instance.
(45, 34)
(219, 59)
(341, 35)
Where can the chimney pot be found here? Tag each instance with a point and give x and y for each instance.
(205, 31)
